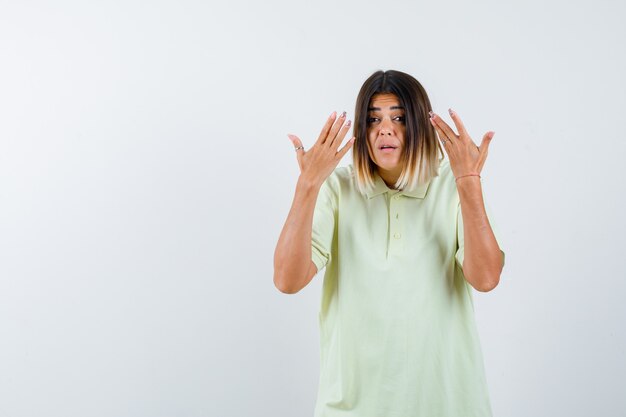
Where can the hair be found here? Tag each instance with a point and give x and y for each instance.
(422, 152)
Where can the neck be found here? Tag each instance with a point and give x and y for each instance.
(390, 177)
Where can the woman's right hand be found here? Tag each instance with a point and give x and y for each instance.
(319, 162)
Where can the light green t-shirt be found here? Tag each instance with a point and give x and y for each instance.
(397, 330)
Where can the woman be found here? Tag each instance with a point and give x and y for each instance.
(403, 235)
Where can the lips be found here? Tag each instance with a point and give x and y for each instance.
(385, 146)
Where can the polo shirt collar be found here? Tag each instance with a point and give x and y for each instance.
(380, 187)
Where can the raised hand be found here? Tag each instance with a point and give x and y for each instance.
(465, 157)
(318, 163)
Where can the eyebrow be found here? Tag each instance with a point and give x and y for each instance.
(390, 108)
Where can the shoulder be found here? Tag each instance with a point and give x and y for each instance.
(442, 187)
(339, 183)
(445, 171)
(344, 175)
(445, 177)
(340, 179)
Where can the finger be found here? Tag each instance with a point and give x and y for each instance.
(326, 128)
(342, 134)
(443, 126)
(484, 148)
(484, 144)
(346, 147)
(297, 143)
(335, 129)
(458, 123)
(442, 137)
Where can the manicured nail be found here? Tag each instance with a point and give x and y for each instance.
(348, 123)
(343, 114)
(451, 112)
(431, 113)
(333, 114)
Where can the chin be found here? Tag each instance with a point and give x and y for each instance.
(387, 166)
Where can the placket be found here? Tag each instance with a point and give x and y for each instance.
(396, 239)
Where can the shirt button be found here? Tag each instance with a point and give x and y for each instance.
(397, 235)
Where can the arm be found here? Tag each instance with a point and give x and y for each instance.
(293, 263)
(293, 267)
(483, 260)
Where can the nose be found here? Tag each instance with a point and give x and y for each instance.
(385, 128)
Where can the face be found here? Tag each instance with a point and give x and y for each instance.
(386, 130)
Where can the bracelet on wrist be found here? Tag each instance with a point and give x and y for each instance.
(473, 174)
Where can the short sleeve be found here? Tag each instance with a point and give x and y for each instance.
(324, 219)
(460, 253)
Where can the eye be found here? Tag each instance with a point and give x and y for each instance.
(399, 119)
(372, 120)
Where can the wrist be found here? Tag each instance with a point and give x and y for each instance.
(308, 184)
(468, 175)
(469, 185)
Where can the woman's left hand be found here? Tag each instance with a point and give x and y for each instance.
(465, 157)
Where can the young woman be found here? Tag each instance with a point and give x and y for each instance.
(403, 235)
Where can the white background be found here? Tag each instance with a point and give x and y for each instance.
(145, 175)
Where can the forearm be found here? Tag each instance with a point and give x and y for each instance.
(483, 262)
(292, 257)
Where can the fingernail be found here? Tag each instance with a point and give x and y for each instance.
(333, 114)
(431, 113)
(451, 112)
(348, 123)
(343, 114)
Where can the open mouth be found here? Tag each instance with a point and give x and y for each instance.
(387, 148)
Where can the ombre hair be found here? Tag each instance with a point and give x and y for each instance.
(422, 152)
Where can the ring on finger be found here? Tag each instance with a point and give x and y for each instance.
(299, 147)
